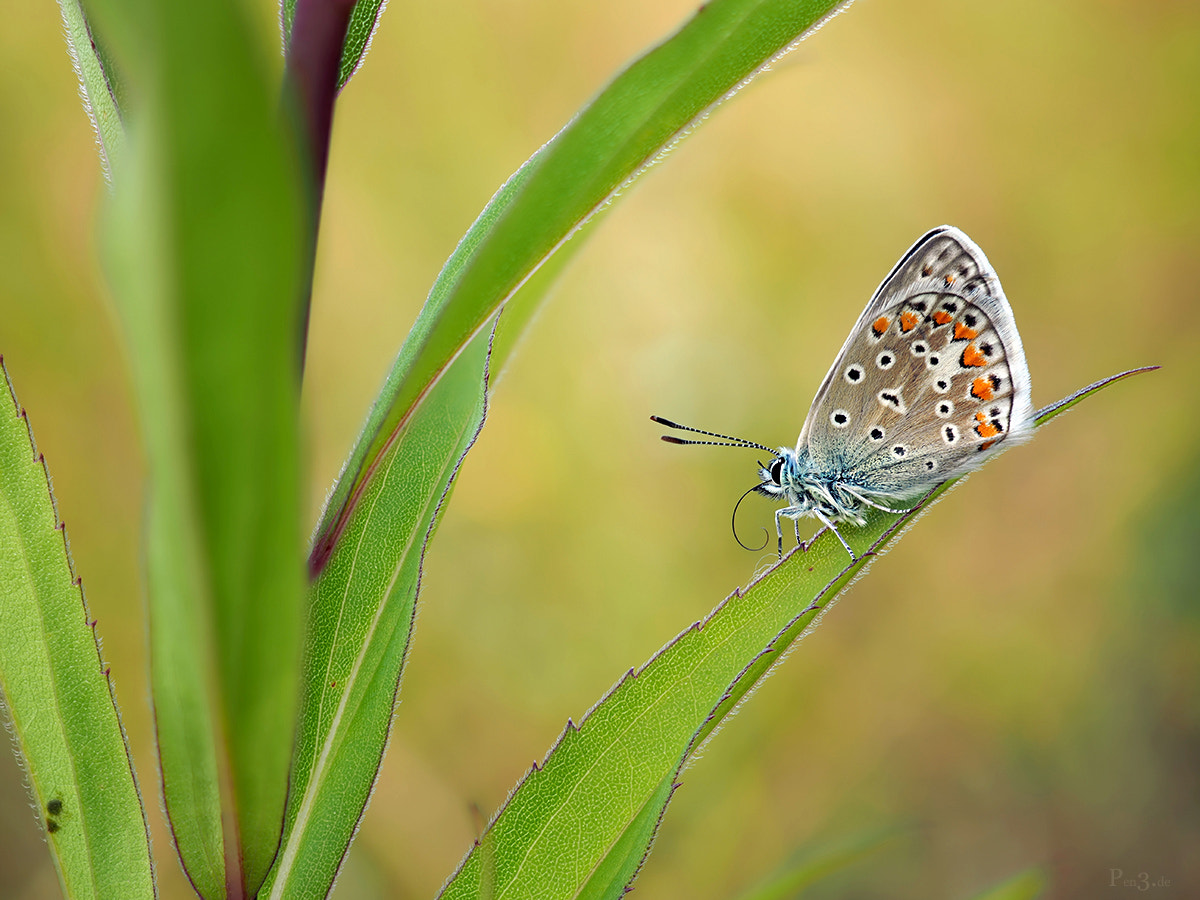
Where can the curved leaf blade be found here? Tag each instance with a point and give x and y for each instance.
(633, 121)
(56, 691)
(1046, 413)
(565, 828)
(341, 755)
(321, 760)
(361, 616)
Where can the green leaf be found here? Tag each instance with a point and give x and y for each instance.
(1028, 885)
(377, 582)
(1046, 413)
(620, 866)
(56, 691)
(204, 241)
(639, 116)
(566, 826)
(98, 83)
(364, 21)
(360, 623)
(369, 590)
(366, 570)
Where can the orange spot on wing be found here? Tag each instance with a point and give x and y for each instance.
(963, 333)
(942, 317)
(972, 357)
(982, 388)
(880, 325)
(949, 280)
(987, 445)
(908, 321)
(985, 429)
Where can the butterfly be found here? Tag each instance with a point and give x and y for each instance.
(930, 384)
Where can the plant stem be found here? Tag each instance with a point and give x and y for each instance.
(314, 55)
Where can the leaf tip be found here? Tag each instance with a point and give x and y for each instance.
(1046, 413)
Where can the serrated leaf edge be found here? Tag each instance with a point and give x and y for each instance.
(829, 594)
(77, 582)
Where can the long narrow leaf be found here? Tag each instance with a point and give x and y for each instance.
(364, 593)
(56, 691)
(361, 619)
(647, 108)
(98, 83)
(565, 829)
(362, 604)
(204, 245)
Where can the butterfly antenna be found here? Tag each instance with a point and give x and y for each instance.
(733, 522)
(726, 440)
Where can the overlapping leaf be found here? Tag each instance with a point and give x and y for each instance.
(219, 561)
(640, 114)
(614, 771)
(364, 21)
(366, 572)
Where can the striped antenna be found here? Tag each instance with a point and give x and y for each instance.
(726, 440)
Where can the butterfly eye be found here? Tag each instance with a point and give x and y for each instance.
(776, 469)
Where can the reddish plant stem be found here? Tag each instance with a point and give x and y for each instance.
(314, 55)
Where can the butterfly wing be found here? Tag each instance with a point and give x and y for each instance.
(931, 381)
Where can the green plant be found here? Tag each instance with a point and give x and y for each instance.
(209, 240)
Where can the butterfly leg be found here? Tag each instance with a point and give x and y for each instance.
(784, 513)
(828, 524)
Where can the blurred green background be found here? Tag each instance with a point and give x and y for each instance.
(1018, 683)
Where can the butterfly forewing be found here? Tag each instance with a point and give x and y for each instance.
(932, 378)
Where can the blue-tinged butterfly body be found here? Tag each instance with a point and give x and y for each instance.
(931, 383)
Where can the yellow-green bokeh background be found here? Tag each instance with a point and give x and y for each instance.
(1018, 681)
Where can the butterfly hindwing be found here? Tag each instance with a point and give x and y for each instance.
(931, 380)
